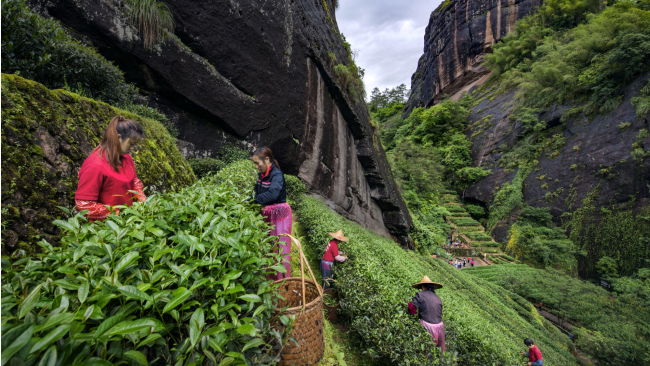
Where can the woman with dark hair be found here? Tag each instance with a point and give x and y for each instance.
(108, 174)
(271, 192)
(430, 307)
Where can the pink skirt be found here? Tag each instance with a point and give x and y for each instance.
(437, 332)
(281, 217)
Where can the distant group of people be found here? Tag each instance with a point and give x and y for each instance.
(452, 244)
(462, 262)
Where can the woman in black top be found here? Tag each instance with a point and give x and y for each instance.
(271, 193)
(429, 305)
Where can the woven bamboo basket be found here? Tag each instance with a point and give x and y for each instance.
(308, 310)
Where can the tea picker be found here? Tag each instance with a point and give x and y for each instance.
(331, 255)
(271, 192)
(107, 177)
(429, 306)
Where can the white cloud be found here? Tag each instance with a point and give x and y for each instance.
(389, 37)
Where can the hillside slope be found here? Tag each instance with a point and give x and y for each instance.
(484, 323)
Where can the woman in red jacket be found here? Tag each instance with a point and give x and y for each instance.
(108, 174)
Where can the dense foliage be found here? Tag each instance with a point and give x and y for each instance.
(566, 53)
(40, 49)
(175, 280)
(484, 324)
(616, 327)
(535, 239)
(227, 154)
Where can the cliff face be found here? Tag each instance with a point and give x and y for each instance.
(255, 72)
(590, 157)
(456, 40)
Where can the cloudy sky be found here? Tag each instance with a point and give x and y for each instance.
(389, 37)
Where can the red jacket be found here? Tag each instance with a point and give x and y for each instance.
(534, 354)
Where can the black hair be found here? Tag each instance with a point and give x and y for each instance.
(266, 153)
(529, 342)
(429, 287)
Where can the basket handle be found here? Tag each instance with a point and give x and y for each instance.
(302, 269)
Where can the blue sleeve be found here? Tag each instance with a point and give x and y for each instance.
(270, 196)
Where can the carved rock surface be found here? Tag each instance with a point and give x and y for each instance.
(455, 42)
(255, 71)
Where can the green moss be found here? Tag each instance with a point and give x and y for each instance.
(46, 136)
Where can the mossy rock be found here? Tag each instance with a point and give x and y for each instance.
(46, 136)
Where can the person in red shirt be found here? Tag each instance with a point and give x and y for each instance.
(332, 254)
(108, 174)
(534, 354)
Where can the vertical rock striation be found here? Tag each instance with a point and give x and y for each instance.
(456, 40)
(255, 71)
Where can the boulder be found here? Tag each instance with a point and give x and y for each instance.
(261, 73)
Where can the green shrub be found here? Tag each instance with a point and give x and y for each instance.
(507, 257)
(454, 208)
(484, 324)
(587, 64)
(153, 113)
(40, 49)
(179, 278)
(489, 250)
(616, 325)
(203, 166)
(464, 221)
(475, 210)
(478, 236)
(295, 187)
(489, 244)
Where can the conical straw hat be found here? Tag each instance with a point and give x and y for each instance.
(339, 235)
(427, 280)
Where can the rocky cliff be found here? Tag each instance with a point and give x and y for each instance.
(243, 70)
(459, 34)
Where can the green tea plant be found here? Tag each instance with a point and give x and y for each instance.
(464, 221)
(614, 326)
(179, 279)
(203, 166)
(484, 323)
(41, 50)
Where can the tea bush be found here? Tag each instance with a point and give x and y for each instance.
(616, 327)
(177, 279)
(203, 166)
(464, 221)
(41, 50)
(484, 324)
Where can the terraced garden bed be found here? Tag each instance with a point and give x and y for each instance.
(460, 214)
(464, 221)
(454, 208)
(450, 198)
(478, 236)
(488, 244)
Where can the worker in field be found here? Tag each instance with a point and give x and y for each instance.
(534, 354)
(429, 305)
(332, 255)
(108, 177)
(271, 192)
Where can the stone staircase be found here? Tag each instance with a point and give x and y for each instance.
(473, 237)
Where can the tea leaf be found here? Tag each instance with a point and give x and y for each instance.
(134, 293)
(50, 338)
(23, 335)
(181, 294)
(30, 301)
